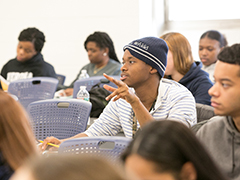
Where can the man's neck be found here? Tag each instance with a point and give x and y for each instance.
(236, 121)
(148, 93)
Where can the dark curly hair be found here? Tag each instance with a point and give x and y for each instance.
(33, 35)
(230, 54)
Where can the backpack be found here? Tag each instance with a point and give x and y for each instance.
(97, 98)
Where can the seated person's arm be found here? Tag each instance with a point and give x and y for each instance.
(142, 114)
(57, 141)
(68, 91)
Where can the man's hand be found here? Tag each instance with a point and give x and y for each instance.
(122, 91)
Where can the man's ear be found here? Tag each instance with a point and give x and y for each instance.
(188, 171)
(153, 70)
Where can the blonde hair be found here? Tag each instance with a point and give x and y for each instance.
(17, 140)
(181, 51)
(73, 167)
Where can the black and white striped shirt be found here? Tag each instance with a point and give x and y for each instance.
(174, 102)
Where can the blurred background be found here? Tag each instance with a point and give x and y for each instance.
(67, 23)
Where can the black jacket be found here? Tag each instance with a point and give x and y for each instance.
(34, 67)
(5, 170)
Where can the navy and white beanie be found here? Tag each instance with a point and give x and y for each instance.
(151, 50)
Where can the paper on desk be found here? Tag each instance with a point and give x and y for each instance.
(4, 83)
(61, 95)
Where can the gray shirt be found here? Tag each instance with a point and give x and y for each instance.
(222, 140)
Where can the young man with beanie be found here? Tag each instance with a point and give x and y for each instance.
(29, 61)
(221, 134)
(142, 95)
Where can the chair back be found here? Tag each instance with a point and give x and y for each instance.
(204, 112)
(61, 78)
(61, 118)
(33, 89)
(91, 81)
(109, 147)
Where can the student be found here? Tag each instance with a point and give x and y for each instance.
(29, 61)
(17, 140)
(168, 150)
(102, 56)
(182, 68)
(70, 167)
(142, 94)
(221, 134)
(210, 44)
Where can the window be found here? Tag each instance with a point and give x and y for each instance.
(192, 10)
(204, 14)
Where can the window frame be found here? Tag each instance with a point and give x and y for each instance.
(195, 24)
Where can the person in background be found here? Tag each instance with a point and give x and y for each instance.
(221, 134)
(102, 57)
(141, 94)
(29, 61)
(210, 44)
(168, 150)
(17, 140)
(182, 68)
(70, 167)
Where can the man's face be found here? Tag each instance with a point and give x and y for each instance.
(135, 72)
(25, 51)
(226, 90)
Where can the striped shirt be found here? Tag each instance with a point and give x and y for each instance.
(174, 102)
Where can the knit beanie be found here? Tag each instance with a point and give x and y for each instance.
(151, 50)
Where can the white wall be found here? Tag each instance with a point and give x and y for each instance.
(66, 24)
(193, 31)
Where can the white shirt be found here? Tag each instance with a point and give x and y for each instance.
(210, 70)
(174, 102)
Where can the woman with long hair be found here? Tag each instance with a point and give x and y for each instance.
(182, 68)
(102, 57)
(17, 141)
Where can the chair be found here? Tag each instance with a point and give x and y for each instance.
(109, 147)
(204, 112)
(61, 78)
(14, 97)
(33, 89)
(91, 81)
(197, 126)
(61, 118)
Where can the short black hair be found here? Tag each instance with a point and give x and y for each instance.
(230, 54)
(102, 40)
(215, 35)
(33, 35)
